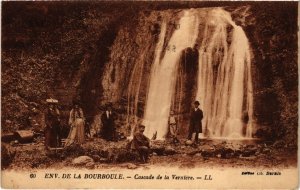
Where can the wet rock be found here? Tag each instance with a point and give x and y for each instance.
(208, 153)
(237, 153)
(82, 160)
(248, 152)
(227, 153)
(131, 166)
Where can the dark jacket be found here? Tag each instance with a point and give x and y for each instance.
(139, 140)
(195, 122)
(108, 126)
(52, 128)
(52, 118)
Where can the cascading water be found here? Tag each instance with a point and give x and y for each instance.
(224, 83)
(164, 73)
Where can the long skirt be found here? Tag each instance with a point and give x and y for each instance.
(76, 133)
(52, 138)
(80, 130)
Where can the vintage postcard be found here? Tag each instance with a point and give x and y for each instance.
(160, 94)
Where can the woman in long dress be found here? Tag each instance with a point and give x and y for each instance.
(76, 121)
(52, 124)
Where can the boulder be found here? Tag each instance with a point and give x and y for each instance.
(170, 151)
(131, 166)
(208, 153)
(188, 142)
(248, 152)
(82, 160)
(207, 147)
(227, 153)
(24, 136)
(159, 150)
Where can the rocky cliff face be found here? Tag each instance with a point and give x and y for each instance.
(100, 53)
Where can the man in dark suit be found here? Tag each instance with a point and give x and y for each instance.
(108, 131)
(195, 122)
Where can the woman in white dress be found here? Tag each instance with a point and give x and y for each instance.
(76, 121)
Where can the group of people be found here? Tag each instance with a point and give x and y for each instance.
(195, 126)
(77, 125)
(140, 142)
(53, 125)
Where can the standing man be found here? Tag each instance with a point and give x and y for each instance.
(108, 124)
(195, 122)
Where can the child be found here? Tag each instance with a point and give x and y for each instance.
(173, 127)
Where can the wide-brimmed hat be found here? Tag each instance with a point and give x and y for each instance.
(52, 101)
(197, 103)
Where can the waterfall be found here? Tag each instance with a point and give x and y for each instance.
(164, 73)
(224, 78)
(223, 82)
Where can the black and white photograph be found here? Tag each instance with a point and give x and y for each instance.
(149, 94)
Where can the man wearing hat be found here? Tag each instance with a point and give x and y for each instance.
(141, 143)
(195, 122)
(108, 131)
